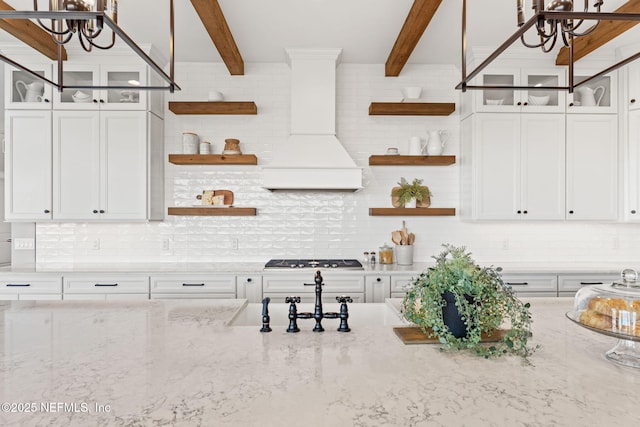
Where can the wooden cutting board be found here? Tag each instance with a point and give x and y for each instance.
(414, 335)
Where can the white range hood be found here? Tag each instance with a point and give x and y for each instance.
(312, 158)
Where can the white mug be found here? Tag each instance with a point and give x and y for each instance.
(415, 146)
(205, 147)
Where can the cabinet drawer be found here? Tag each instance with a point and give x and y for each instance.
(106, 297)
(573, 283)
(522, 283)
(400, 283)
(111, 284)
(194, 284)
(31, 285)
(295, 284)
(218, 295)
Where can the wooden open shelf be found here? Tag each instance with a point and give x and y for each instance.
(385, 160)
(197, 211)
(411, 108)
(211, 107)
(412, 211)
(213, 159)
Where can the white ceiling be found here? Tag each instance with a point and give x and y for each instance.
(364, 29)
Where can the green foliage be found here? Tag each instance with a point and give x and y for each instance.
(492, 304)
(407, 191)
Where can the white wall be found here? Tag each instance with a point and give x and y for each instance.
(320, 224)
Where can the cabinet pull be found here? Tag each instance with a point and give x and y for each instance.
(46, 100)
(591, 283)
(249, 280)
(18, 285)
(95, 101)
(193, 284)
(101, 211)
(633, 101)
(95, 211)
(378, 279)
(517, 283)
(571, 104)
(633, 211)
(105, 284)
(571, 212)
(47, 211)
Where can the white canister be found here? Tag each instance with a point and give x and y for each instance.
(404, 254)
(190, 143)
(205, 147)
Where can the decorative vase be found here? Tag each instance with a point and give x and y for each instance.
(395, 200)
(424, 203)
(451, 316)
(404, 254)
(411, 203)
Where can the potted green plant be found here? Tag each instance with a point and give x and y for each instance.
(484, 304)
(407, 194)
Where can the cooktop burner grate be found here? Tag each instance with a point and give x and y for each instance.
(351, 264)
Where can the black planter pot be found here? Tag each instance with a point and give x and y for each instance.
(451, 315)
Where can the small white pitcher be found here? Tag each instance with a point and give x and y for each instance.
(416, 148)
(437, 140)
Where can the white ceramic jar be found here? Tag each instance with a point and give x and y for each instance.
(190, 143)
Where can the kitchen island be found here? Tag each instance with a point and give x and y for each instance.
(180, 363)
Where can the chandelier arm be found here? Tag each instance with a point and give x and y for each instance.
(62, 41)
(533, 46)
(586, 33)
(113, 42)
(87, 48)
(546, 49)
(90, 34)
(51, 30)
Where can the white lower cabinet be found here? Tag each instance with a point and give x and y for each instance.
(106, 287)
(250, 287)
(632, 167)
(400, 283)
(30, 287)
(592, 167)
(187, 285)
(569, 284)
(377, 288)
(279, 286)
(532, 285)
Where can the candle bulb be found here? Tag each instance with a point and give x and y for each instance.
(520, 5)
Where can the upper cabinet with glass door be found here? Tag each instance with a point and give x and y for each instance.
(510, 100)
(24, 91)
(126, 97)
(596, 96)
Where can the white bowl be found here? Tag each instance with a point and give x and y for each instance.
(538, 100)
(494, 101)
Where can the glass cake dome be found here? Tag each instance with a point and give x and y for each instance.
(613, 309)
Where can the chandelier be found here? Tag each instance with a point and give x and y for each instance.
(87, 29)
(557, 20)
(88, 19)
(549, 29)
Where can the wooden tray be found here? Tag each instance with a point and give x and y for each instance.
(414, 335)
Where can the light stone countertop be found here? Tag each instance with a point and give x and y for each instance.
(253, 267)
(178, 363)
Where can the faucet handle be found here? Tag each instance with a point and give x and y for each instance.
(344, 299)
(292, 299)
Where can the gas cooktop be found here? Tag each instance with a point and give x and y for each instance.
(290, 264)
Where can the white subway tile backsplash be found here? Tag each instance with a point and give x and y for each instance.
(319, 224)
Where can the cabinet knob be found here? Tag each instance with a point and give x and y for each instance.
(571, 212)
(249, 280)
(95, 211)
(47, 211)
(633, 211)
(519, 212)
(571, 104)
(102, 101)
(378, 279)
(519, 103)
(45, 100)
(526, 103)
(633, 100)
(525, 212)
(95, 101)
(101, 210)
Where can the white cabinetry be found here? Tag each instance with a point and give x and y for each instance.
(399, 284)
(532, 285)
(592, 171)
(280, 286)
(569, 284)
(21, 286)
(187, 285)
(513, 165)
(509, 100)
(28, 165)
(105, 99)
(24, 91)
(598, 96)
(106, 287)
(377, 287)
(249, 286)
(100, 164)
(631, 147)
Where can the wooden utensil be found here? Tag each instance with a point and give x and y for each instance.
(411, 239)
(396, 237)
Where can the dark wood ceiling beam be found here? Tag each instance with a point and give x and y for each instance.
(216, 25)
(417, 21)
(31, 34)
(606, 31)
